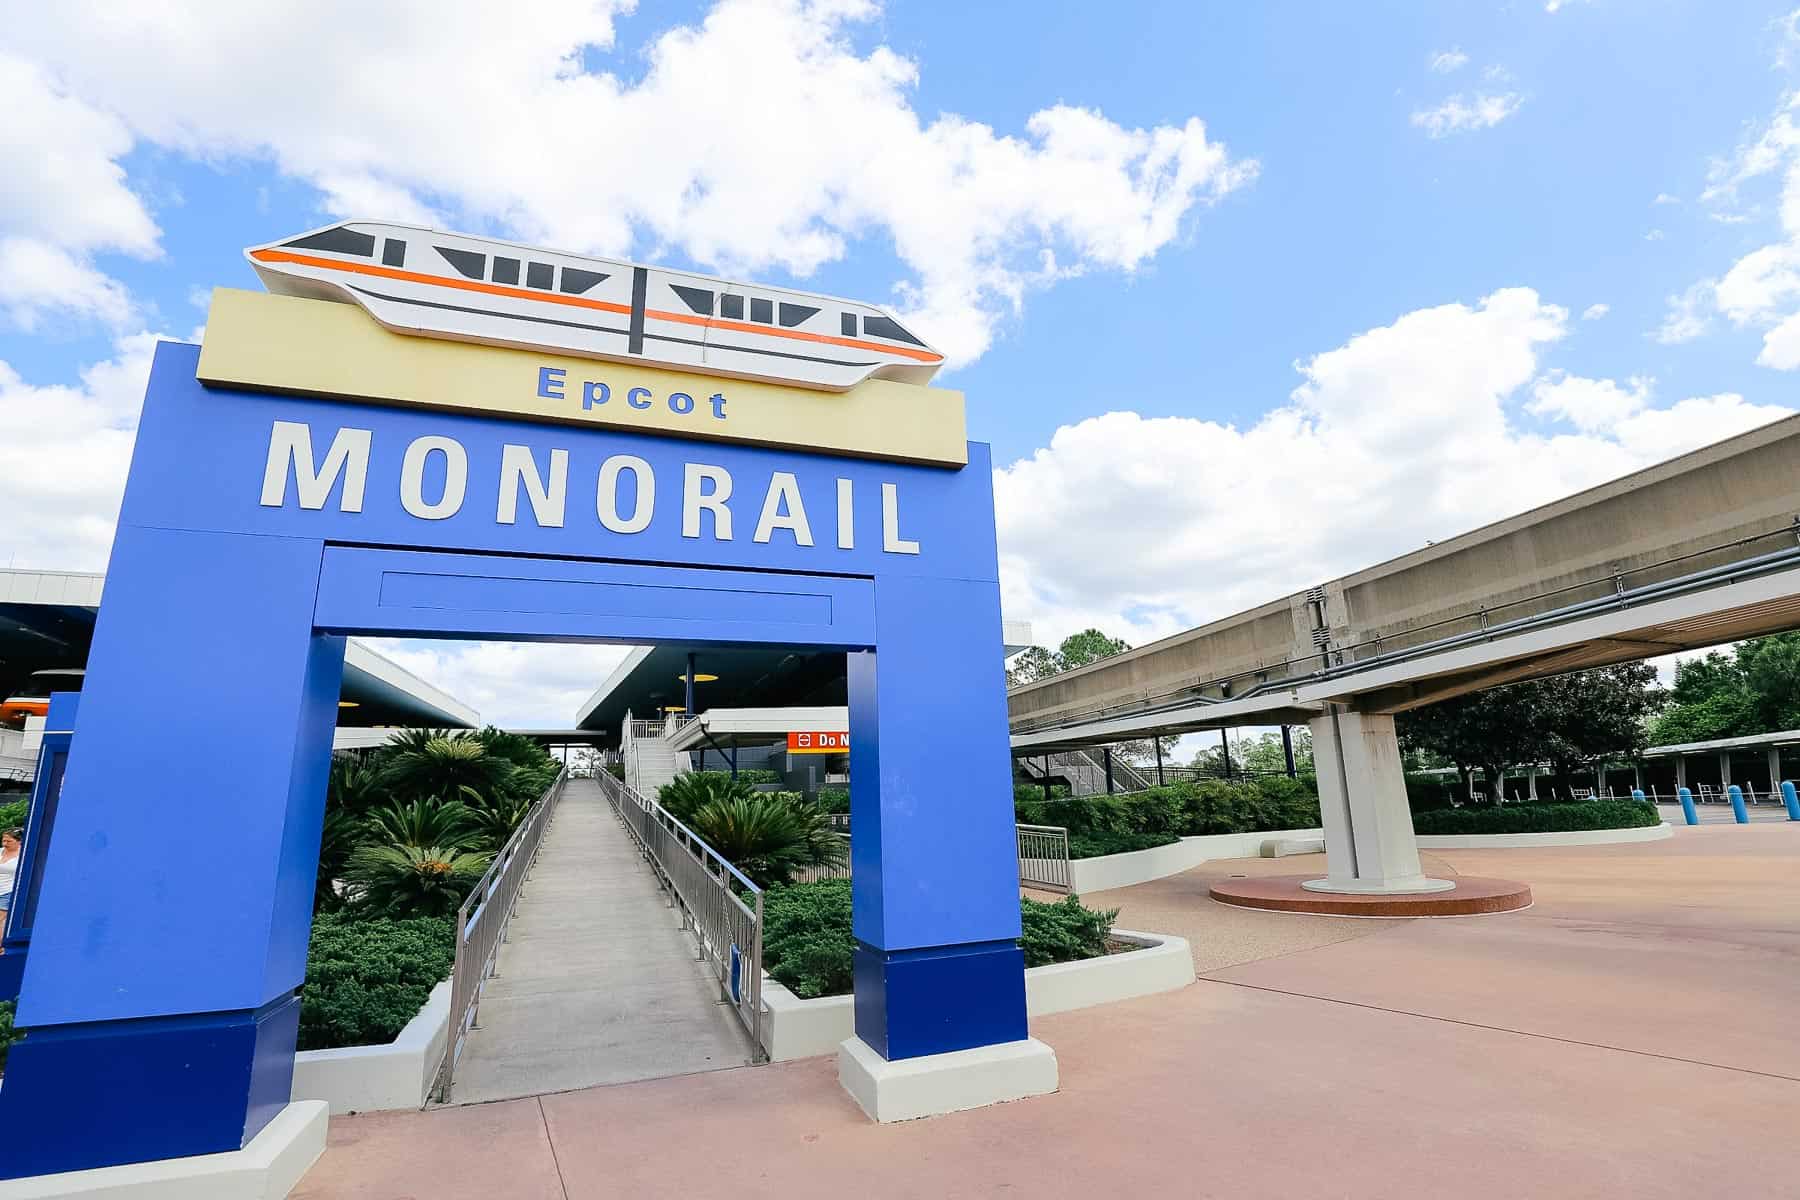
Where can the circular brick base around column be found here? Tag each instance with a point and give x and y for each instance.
(1283, 893)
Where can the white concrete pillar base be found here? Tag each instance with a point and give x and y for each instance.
(1380, 887)
(909, 1088)
(266, 1169)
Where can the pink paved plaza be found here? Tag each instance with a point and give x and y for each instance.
(1632, 1034)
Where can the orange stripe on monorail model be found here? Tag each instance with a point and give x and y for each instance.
(496, 289)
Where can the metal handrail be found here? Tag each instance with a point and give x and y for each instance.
(709, 891)
(1044, 858)
(481, 923)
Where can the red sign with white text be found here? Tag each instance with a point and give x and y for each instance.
(818, 743)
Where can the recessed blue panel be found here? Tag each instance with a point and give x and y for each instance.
(467, 595)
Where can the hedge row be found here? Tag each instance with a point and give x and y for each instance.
(366, 977)
(1095, 845)
(1182, 809)
(1538, 818)
(808, 946)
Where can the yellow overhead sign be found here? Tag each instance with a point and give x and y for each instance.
(323, 348)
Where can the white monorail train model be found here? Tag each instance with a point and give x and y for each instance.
(422, 281)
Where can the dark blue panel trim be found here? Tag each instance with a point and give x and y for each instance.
(174, 1086)
(912, 1003)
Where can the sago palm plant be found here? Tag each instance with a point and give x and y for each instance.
(414, 881)
(424, 822)
(769, 836)
(688, 793)
(452, 767)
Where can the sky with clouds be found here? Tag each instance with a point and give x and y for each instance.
(1244, 296)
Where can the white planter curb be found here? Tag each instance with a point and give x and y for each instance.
(1141, 866)
(1574, 837)
(268, 1168)
(806, 1028)
(374, 1078)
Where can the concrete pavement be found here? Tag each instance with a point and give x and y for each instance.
(597, 983)
(1629, 1035)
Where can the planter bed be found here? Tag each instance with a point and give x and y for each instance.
(1140, 866)
(373, 1078)
(1160, 962)
(1567, 837)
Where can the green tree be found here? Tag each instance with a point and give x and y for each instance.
(1088, 646)
(1264, 755)
(1030, 665)
(1754, 688)
(1563, 720)
(1077, 650)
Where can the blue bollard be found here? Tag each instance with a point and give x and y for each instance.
(1687, 806)
(1737, 804)
(1791, 800)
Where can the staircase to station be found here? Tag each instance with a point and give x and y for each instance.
(1083, 772)
(650, 761)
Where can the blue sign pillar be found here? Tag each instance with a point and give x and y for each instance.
(258, 530)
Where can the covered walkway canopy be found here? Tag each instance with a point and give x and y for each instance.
(47, 622)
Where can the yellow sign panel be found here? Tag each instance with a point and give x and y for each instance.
(322, 348)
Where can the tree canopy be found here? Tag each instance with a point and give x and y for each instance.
(1753, 688)
(1077, 650)
(1565, 721)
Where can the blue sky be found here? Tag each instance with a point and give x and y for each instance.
(1460, 229)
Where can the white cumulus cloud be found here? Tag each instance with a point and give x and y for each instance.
(1403, 435)
(63, 454)
(63, 198)
(760, 138)
(1446, 61)
(1467, 112)
(1594, 312)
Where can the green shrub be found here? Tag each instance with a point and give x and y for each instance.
(366, 977)
(808, 947)
(807, 944)
(1066, 931)
(749, 775)
(1182, 809)
(12, 816)
(1025, 789)
(1538, 818)
(1093, 845)
(834, 800)
(9, 1033)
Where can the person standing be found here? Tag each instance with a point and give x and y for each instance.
(9, 869)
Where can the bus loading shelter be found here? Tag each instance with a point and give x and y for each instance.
(160, 994)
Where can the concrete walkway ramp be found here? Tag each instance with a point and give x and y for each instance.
(598, 983)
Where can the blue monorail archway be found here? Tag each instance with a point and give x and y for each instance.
(260, 529)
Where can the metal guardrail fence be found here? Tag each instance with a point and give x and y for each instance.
(706, 888)
(481, 926)
(1044, 858)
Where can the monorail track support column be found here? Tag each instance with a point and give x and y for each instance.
(1369, 842)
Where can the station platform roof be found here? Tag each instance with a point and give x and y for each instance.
(47, 622)
(649, 683)
(1755, 741)
(723, 728)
